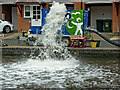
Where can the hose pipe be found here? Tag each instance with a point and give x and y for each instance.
(102, 36)
(67, 18)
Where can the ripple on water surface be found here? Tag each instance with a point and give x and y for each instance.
(53, 73)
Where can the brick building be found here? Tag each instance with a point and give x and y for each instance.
(24, 14)
(101, 12)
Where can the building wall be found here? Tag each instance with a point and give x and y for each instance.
(14, 18)
(79, 5)
(115, 18)
(6, 9)
(119, 17)
(100, 12)
(24, 24)
(103, 12)
(69, 6)
(0, 11)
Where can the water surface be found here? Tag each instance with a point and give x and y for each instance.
(84, 72)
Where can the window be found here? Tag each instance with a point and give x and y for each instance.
(27, 13)
(36, 12)
(32, 11)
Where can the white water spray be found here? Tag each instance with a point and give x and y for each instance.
(54, 21)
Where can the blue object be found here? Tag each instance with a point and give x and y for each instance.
(85, 19)
(64, 31)
(44, 14)
(35, 29)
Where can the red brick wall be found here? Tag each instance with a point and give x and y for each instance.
(115, 18)
(0, 11)
(23, 25)
(7, 10)
(79, 5)
(119, 16)
(83, 6)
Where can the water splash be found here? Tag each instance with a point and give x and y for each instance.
(54, 22)
(53, 47)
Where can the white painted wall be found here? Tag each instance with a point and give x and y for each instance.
(100, 12)
(14, 18)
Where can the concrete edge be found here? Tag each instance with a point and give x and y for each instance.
(27, 50)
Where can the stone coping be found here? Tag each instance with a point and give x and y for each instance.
(23, 46)
(27, 50)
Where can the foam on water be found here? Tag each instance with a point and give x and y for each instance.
(51, 65)
(54, 74)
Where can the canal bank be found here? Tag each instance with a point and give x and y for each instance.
(27, 50)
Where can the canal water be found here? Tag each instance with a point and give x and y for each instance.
(84, 72)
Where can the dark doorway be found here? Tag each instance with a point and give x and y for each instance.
(99, 25)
